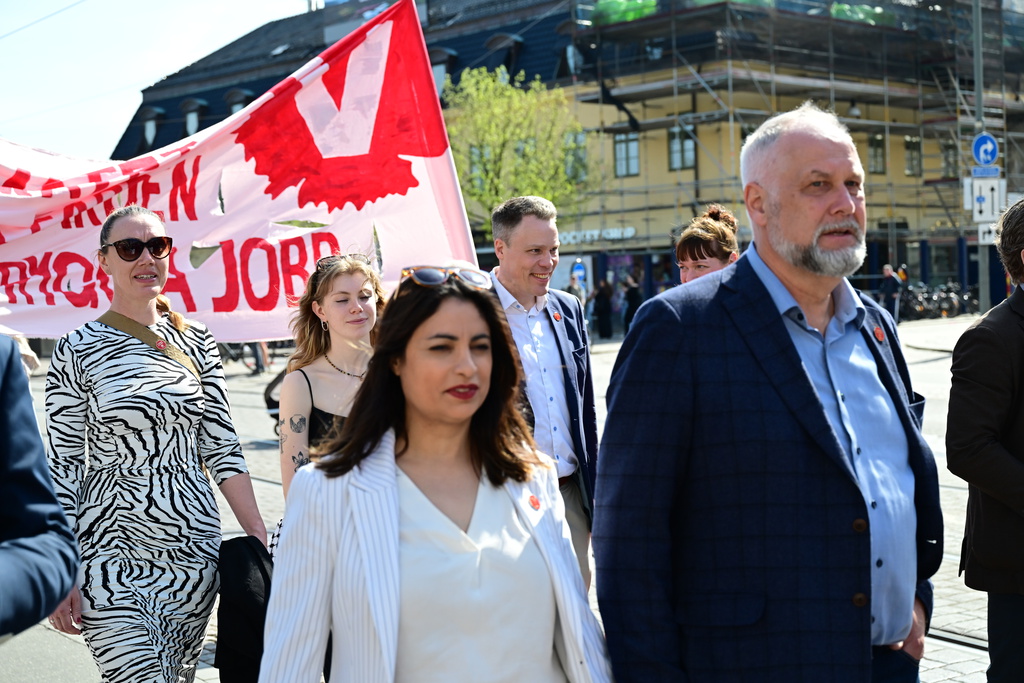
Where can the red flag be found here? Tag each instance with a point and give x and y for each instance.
(348, 153)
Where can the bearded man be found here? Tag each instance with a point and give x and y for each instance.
(766, 507)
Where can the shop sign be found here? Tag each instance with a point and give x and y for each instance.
(589, 236)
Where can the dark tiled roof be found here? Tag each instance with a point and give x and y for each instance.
(249, 63)
(539, 54)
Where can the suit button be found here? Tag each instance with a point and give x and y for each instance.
(860, 525)
(860, 600)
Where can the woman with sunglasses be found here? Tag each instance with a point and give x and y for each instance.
(136, 405)
(333, 330)
(432, 540)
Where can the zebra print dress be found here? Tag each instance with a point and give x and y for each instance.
(127, 426)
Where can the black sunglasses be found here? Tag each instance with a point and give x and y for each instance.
(131, 248)
(434, 276)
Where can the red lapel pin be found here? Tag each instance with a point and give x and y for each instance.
(879, 335)
(557, 316)
(161, 344)
(534, 503)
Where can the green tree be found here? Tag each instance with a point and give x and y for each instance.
(511, 137)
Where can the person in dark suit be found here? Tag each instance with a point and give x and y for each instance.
(550, 332)
(985, 447)
(767, 508)
(889, 292)
(38, 552)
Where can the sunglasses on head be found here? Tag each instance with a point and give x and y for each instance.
(434, 276)
(131, 248)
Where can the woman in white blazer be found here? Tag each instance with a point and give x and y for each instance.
(433, 543)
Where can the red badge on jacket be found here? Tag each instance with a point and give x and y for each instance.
(557, 316)
(534, 503)
(879, 334)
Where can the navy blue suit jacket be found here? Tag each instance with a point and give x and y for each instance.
(566, 314)
(730, 533)
(38, 552)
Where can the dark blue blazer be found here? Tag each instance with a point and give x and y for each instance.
(566, 315)
(38, 552)
(730, 533)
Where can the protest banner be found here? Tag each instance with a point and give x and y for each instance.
(348, 154)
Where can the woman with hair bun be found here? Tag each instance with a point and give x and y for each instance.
(707, 244)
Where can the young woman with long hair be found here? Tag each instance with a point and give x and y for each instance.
(333, 330)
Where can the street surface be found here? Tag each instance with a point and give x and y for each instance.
(955, 649)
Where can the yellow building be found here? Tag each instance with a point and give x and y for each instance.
(668, 89)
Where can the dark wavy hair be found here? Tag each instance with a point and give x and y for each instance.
(500, 440)
(712, 235)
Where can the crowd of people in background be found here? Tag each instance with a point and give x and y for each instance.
(440, 459)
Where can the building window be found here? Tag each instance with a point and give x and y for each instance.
(912, 155)
(502, 50)
(237, 99)
(440, 71)
(627, 154)
(950, 159)
(150, 118)
(149, 132)
(576, 156)
(442, 60)
(478, 162)
(876, 154)
(682, 150)
(193, 110)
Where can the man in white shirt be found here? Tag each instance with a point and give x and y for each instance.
(550, 332)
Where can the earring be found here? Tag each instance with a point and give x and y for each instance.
(323, 324)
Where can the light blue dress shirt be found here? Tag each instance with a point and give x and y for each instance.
(844, 374)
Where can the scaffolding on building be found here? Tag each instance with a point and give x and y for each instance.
(889, 70)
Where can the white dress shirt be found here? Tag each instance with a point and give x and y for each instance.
(545, 380)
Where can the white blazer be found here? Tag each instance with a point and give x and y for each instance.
(336, 570)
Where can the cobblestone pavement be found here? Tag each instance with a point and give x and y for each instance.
(955, 650)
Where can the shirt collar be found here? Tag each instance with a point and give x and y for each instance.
(508, 301)
(848, 306)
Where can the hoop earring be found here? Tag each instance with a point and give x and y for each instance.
(323, 324)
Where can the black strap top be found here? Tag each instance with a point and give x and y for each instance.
(320, 421)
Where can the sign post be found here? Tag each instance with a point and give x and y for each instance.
(988, 194)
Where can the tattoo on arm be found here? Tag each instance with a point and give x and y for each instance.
(300, 459)
(297, 422)
(280, 432)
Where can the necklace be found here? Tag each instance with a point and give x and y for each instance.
(345, 372)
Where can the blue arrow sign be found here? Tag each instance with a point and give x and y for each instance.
(985, 149)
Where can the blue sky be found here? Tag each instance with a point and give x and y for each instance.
(71, 83)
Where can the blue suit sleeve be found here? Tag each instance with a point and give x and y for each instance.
(38, 552)
(589, 407)
(643, 451)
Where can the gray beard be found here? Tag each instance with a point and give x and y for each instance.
(830, 263)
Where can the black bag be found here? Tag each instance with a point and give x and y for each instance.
(245, 569)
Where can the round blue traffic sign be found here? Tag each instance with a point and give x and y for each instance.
(985, 148)
(580, 271)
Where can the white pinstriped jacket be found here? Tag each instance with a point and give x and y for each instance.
(337, 571)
